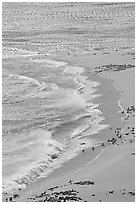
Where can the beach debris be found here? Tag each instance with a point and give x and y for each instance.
(120, 136)
(54, 156)
(111, 192)
(70, 181)
(69, 195)
(112, 141)
(10, 199)
(131, 193)
(130, 109)
(84, 183)
(16, 195)
(82, 143)
(113, 67)
(31, 198)
(51, 189)
(43, 194)
(105, 53)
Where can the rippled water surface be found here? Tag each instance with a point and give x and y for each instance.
(53, 27)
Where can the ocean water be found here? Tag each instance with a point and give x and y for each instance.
(48, 104)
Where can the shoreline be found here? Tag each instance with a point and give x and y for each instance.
(107, 107)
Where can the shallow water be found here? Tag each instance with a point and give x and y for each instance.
(43, 111)
(47, 104)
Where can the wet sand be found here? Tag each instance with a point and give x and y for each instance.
(107, 172)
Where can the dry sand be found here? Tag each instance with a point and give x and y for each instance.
(106, 173)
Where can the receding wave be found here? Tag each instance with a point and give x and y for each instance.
(37, 151)
(46, 155)
(45, 122)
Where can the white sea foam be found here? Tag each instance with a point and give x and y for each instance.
(29, 157)
(12, 52)
(46, 155)
(50, 62)
(26, 79)
(36, 154)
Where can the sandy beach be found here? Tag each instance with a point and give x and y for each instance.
(107, 171)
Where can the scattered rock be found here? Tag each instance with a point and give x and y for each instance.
(85, 183)
(70, 181)
(113, 67)
(10, 199)
(111, 192)
(131, 193)
(16, 196)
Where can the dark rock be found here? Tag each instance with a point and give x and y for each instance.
(70, 181)
(16, 196)
(10, 199)
(131, 193)
(85, 183)
(54, 156)
(112, 191)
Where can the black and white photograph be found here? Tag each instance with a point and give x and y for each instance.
(68, 101)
